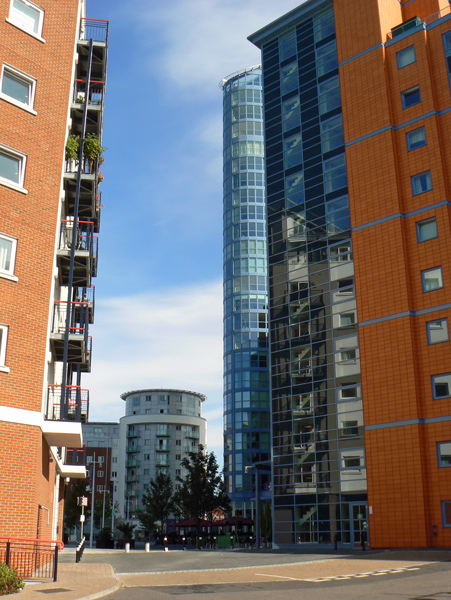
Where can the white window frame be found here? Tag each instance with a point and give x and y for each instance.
(347, 314)
(3, 345)
(9, 273)
(446, 379)
(350, 455)
(350, 386)
(430, 328)
(22, 165)
(99, 473)
(424, 279)
(27, 79)
(16, 23)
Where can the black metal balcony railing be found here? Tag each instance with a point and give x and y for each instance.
(71, 404)
(96, 90)
(94, 29)
(87, 295)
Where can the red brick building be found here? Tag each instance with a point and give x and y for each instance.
(53, 69)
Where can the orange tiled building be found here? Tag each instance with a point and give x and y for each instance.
(53, 69)
(358, 150)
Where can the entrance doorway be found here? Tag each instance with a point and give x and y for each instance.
(359, 523)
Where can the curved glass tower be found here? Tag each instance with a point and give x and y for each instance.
(246, 375)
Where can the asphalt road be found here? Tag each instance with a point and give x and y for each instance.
(427, 582)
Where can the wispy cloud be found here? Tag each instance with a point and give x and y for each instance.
(171, 339)
(201, 41)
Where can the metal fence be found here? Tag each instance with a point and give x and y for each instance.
(32, 558)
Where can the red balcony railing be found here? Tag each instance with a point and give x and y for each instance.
(96, 90)
(69, 405)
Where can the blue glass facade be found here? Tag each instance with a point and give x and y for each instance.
(319, 474)
(246, 396)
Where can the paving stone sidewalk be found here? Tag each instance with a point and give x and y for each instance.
(82, 581)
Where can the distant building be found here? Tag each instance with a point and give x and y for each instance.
(357, 141)
(160, 428)
(246, 368)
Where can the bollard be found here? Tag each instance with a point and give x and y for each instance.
(147, 546)
(127, 547)
(183, 540)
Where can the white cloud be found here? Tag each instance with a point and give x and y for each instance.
(169, 339)
(201, 41)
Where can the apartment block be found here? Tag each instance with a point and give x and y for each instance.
(53, 71)
(246, 368)
(357, 118)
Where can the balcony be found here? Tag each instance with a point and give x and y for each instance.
(86, 245)
(132, 461)
(132, 448)
(194, 435)
(79, 348)
(87, 296)
(73, 405)
(97, 31)
(163, 447)
(93, 93)
(90, 198)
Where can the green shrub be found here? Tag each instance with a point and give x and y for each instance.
(10, 582)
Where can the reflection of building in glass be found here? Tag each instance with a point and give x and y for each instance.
(160, 428)
(358, 315)
(246, 397)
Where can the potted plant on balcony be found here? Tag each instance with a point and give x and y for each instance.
(72, 152)
(92, 149)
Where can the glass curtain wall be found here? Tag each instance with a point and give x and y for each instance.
(246, 397)
(318, 446)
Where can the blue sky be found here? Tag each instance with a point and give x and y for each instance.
(159, 289)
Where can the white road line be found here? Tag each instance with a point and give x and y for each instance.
(280, 576)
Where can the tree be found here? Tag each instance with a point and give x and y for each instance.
(158, 502)
(72, 511)
(127, 530)
(102, 508)
(203, 488)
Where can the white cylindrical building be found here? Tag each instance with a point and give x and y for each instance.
(160, 428)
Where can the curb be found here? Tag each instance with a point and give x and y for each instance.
(103, 593)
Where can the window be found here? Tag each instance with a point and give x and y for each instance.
(178, 457)
(416, 138)
(178, 442)
(348, 392)
(148, 398)
(444, 454)
(324, 25)
(17, 87)
(27, 16)
(100, 488)
(446, 513)
(348, 355)
(101, 459)
(337, 215)
(287, 45)
(441, 386)
(350, 428)
(340, 253)
(113, 473)
(99, 473)
(437, 331)
(89, 459)
(432, 279)
(427, 230)
(114, 459)
(329, 95)
(147, 442)
(288, 78)
(351, 462)
(146, 456)
(8, 247)
(12, 167)
(411, 97)
(347, 319)
(346, 287)
(447, 44)
(291, 113)
(421, 183)
(335, 176)
(326, 58)
(146, 472)
(292, 151)
(406, 57)
(178, 428)
(332, 134)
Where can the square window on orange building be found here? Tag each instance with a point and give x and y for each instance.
(427, 230)
(406, 57)
(416, 138)
(446, 513)
(444, 454)
(432, 279)
(411, 97)
(421, 183)
(441, 386)
(437, 331)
